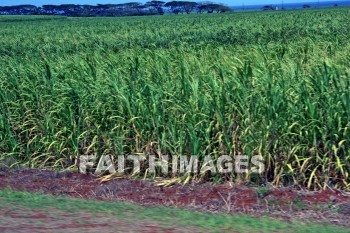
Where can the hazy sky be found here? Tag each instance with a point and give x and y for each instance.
(93, 2)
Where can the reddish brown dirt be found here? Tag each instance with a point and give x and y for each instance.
(284, 203)
(16, 219)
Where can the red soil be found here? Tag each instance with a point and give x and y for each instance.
(281, 202)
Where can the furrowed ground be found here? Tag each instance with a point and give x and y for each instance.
(274, 84)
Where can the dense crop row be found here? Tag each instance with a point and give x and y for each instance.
(270, 83)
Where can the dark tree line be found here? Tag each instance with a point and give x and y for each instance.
(130, 8)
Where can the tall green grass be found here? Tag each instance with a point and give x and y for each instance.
(275, 84)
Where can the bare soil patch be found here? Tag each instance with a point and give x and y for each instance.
(285, 203)
(15, 219)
